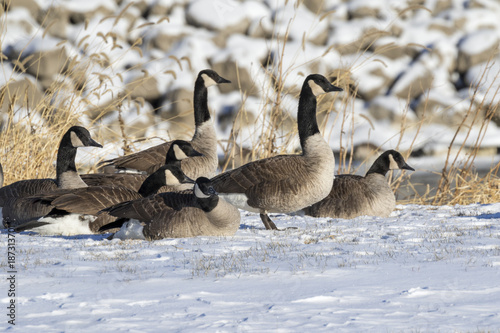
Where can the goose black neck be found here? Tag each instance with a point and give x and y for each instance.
(378, 167)
(200, 101)
(156, 180)
(171, 159)
(208, 204)
(153, 183)
(65, 159)
(306, 116)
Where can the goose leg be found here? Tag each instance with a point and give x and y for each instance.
(268, 223)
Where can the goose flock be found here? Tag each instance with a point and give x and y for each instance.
(180, 194)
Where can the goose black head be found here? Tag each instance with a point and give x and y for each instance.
(389, 160)
(205, 193)
(175, 176)
(80, 137)
(180, 150)
(320, 85)
(396, 160)
(203, 188)
(211, 78)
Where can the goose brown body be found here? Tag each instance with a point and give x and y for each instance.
(17, 209)
(354, 195)
(179, 214)
(282, 183)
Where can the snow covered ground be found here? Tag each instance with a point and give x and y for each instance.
(422, 269)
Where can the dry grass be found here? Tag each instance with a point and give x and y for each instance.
(31, 126)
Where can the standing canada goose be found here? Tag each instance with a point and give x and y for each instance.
(88, 201)
(204, 139)
(354, 195)
(286, 183)
(16, 210)
(190, 213)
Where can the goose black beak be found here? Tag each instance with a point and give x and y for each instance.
(407, 167)
(187, 180)
(195, 153)
(334, 88)
(222, 80)
(94, 143)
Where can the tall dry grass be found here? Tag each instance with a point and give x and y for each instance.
(31, 130)
(33, 123)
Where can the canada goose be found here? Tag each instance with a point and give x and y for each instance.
(354, 195)
(16, 210)
(181, 150)
(204, 139)
(286, 183)
(190, 213)
(88, 201)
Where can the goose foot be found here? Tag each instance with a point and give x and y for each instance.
(268, 223)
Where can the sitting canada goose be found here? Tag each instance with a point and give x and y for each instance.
(178, 151)
(204, 139)
(88, 201)
(286, 183)
(354, 195)
(190, 213)
(16, 210)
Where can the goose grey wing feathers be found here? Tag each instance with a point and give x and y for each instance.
(24, 188)
(349, 195)
(148, 160)
(30, 225)
(21, 210)
(17, 209)
(90, 200)
(265, 172)
(132, 181)
(145, 209)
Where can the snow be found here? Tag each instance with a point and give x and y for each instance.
(478, 42)
(132, 229)
(297, 22)
(216, 15)
(424, 268)
(83, 6)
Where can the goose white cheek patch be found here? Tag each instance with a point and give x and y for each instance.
(199, 193)
(75, 140)
(179, 153)
(316, 89)
(393, 165)
(170, 178)
(208, 80)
